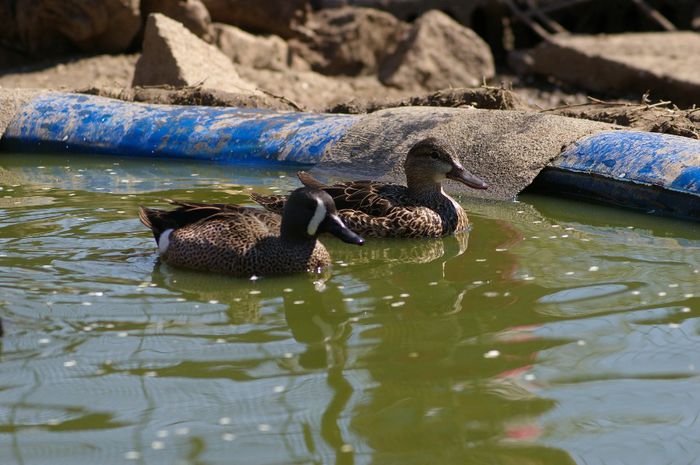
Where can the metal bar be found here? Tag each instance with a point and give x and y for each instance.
(654, 14)
(553, 25)
(539, 30)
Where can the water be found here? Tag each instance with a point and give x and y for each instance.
(554, 333)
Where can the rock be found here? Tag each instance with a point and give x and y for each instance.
(407, 10)
(8, 33)
(55, 27)
(351, 41)
(438, 53)
(266, 52)
(172, 55)
(191, 13)
(279, 17)
(12, 59)
(665, 63)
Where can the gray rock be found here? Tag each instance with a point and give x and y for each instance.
(172, 55)
(438, 53)
(263, 52)
(55, 27)
(665, 63)
(279, 17)
(351, 41)
(191, 13)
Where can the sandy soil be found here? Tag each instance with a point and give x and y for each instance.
(312, 91)
(74, 73)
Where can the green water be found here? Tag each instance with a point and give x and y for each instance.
(553, 333)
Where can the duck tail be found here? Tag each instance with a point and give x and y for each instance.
(309, 181)
(273, 203)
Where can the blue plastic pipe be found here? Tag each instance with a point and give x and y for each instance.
(654, 172)
(60, 122)
(658, 173)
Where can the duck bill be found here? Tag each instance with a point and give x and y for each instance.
(334, 225)
(459, 174)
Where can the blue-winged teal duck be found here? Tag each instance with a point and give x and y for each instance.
(245, 241)
(419, 209)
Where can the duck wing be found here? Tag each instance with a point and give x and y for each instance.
(371, 197)
(272, 203)
(400, 222)
(191, 213)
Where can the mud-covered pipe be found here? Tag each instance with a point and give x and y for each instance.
(73, 123)
(509, 149)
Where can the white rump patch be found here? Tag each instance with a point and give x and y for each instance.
(319, 215)
(164, 241)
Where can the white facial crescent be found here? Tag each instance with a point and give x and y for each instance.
(319, 215)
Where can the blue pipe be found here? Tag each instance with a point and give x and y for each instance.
(73, 123)
(654, 172)
(657, 173)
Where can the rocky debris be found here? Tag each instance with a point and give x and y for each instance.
(438, 53)
(55, 27)
(172, 55)
(666, 63)
(488, 98)
(279, 17)
(245, 49)
(407, 10)
(315, 92)
(190, 96)
(351, 41)
(653, 118)
(191, 13)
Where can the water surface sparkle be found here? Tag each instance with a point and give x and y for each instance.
(552, 333)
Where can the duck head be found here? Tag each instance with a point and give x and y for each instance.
(309, 212)
(429, 162)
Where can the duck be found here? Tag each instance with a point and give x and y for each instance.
(421, 208)
(245, 241)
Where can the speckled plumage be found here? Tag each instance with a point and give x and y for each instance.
(420, 209)
(237, 240)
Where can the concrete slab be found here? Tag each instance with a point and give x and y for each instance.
(665, 63)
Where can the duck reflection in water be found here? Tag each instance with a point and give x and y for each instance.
(436, 397)
(427, 393)
(321, 322)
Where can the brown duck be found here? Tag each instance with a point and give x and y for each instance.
(244, 241)
(419, 209)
